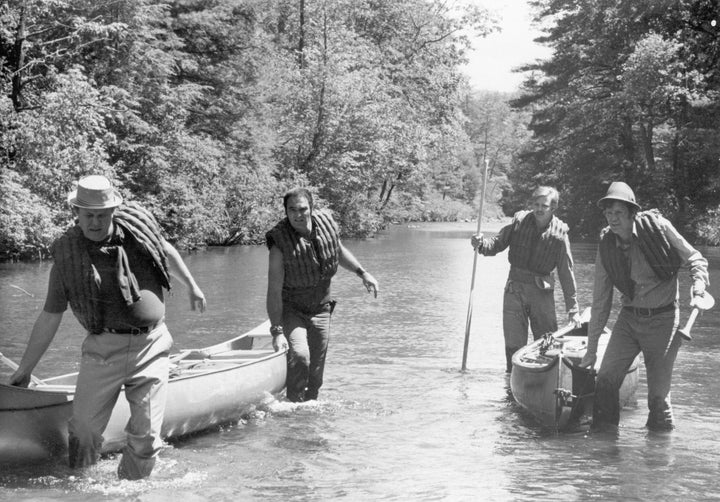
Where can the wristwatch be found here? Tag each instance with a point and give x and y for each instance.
(276, 330)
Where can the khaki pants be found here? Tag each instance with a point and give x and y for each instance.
(526, 305)
(655, 337)
(110, 361)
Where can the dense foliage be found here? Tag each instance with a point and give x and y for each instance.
(632, 93)
(208, 110)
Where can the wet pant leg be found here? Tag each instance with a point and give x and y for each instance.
(620, 353)
(526, 305)
(543, 318)
(98, 386)
(660, 346)
(308, 338)
(515, 321)
(318, 339)
(146, 393)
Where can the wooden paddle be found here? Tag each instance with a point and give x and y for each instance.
(472, 281)
(13, 366)
(702, 302)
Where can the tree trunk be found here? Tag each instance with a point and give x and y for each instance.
(646, 136)
(301, 40)
(19, 62)
(681, 176)
(627, 147)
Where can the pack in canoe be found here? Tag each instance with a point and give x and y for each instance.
(207, 387)
(547, 382)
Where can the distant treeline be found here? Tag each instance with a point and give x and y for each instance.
(207, 111)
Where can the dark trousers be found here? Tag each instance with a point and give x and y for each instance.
(308, 337)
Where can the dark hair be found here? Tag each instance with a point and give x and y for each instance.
(298, 192)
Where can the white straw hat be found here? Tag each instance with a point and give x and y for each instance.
(95, 192)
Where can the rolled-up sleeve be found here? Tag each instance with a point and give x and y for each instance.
(601, 305)
(691, 257)
(500, 242)
(567, 278)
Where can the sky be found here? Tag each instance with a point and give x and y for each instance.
(494, 57)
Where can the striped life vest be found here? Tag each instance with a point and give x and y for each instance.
(660, 255)
(529, 250)
(307, 261)
(80, 277)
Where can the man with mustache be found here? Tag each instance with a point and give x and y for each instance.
(305, 252)
(538, 244)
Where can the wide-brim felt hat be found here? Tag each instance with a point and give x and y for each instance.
(95, 192)
(622, 192)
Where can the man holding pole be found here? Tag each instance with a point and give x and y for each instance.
(538, 244)
(640, 254)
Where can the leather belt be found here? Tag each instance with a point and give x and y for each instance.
(142, 330)
(520, 275)
(647, 312)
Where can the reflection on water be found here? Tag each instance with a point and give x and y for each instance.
(396, 419)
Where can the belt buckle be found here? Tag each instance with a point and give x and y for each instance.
(643, 312)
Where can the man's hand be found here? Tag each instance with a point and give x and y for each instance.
(697, 292)
(575, 319)
(370, 283)
(280, 343)
(20, 379)
(477, 242)
(588, 360)
(197, 299)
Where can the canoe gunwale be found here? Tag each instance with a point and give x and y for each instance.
(537, 368)
(33, 420)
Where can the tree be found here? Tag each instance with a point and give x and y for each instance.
(621, 99)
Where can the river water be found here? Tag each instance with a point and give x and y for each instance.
(397, 419)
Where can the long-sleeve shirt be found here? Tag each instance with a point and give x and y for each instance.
(566, 276)
(650, 291)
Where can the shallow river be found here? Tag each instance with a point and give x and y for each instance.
(396, 418)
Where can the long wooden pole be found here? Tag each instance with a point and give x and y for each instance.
(472, 280)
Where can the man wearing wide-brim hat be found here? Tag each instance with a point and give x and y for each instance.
(112, 268)
(640, 254)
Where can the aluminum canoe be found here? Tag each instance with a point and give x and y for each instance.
(209, 386)
(547, 382)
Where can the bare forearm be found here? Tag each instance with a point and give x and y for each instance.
(177, 266)
(348, 260)
(41, 336)
(567, 279)
(276, 277)
(179, 269)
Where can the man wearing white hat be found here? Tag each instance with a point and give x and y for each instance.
(640, 254)
(111, 268)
